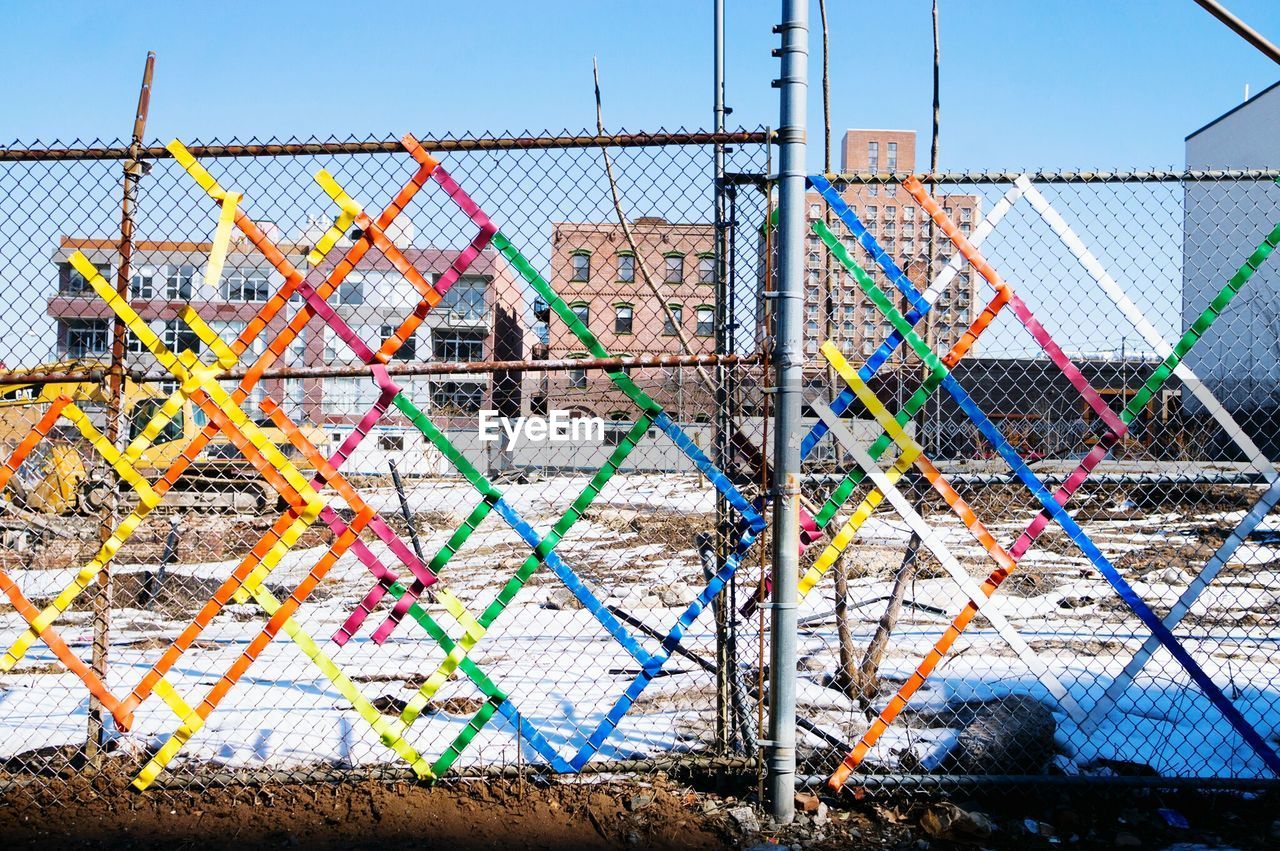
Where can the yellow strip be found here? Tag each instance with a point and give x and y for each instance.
(221, 240)
(197, 171)
(911, 450)
(882, 415)
(351, 210)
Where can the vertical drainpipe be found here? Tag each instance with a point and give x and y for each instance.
(788, 358)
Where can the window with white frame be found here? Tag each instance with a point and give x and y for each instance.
(626, 268)
(706, 269)
(623, 315)
(465, 299)
(177, 281)
(408, 349)
(71, 282)
(245, 285)
(86, 338)
(458, 346)
(142, 283)
(676, 313)
(706, 321)
(674, 269)
(580, 263)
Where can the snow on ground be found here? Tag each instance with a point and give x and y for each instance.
(562, 671)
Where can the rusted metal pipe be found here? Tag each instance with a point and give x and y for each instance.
(428, 368)
(394, 146)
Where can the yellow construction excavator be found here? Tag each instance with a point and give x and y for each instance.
(63, 474)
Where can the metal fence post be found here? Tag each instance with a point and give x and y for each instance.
(788, 358)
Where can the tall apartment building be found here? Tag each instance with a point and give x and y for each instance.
(902, 229)
(482, 312)
(595, 270)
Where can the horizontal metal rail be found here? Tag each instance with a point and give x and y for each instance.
(394, 146)
(428, 368)
(1003, 177)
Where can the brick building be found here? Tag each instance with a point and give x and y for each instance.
(595, 270)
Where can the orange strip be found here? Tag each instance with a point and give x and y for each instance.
(26, 608)
(286, 611)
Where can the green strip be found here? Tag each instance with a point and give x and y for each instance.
(566, 314)
(469, 732)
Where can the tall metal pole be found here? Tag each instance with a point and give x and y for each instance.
(788, 357)
(115, 396)
(725, 658)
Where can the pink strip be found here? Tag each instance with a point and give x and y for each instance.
(1065, 364)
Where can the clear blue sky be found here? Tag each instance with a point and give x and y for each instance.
(1048, 83)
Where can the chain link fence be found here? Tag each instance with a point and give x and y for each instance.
(402, 512)
(1070, 339)
(462, 559)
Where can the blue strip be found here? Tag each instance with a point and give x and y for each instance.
(1122, 588)
(672, 640)
(718, 479)
(571, 580)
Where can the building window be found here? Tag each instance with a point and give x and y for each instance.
(626, 268)
(245, 285)
(622, 318)
(351, 291)
(142, 283)
(873, 156)
(706, 322)
(466, 397)
(577, 377)
(177, 281)
(391, 442)
(706, 269)
(465, 299)
(178, 337)
(458, 346)
(892, 156)
(908, 227)
(677, 312)
(71, 282)
(581, 261)
(583, 311)
(408, 349)
(87, 338)
(814, 211)
(675, 269)
(965, 213)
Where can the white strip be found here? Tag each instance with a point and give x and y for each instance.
(1188, 599)
(986, 605)
(1145, 328)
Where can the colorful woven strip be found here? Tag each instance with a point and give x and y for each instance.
(1057, 512)
(921, 304)
(979, 597)
(289, 528)
(839, 496)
